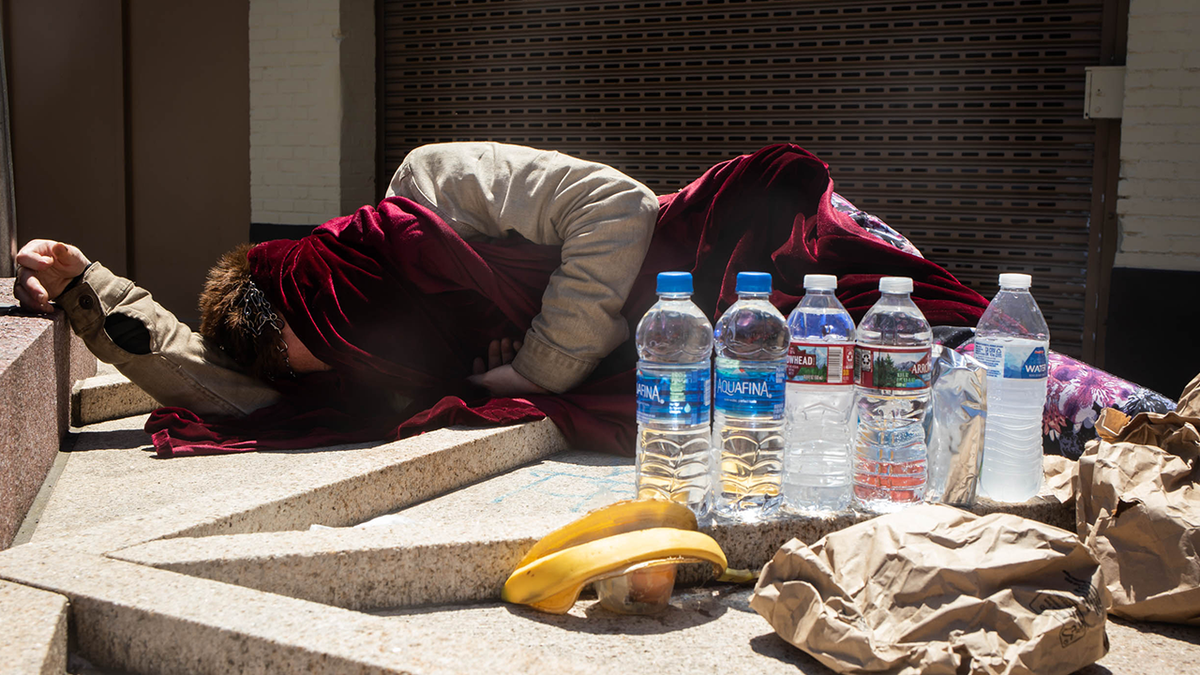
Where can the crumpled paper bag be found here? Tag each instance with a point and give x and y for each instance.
(1189, 401)
(934, 589)
(1060, 478)
(1138, 508)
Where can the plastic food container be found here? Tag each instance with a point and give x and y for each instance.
(644, 588)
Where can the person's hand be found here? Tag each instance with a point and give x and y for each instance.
(497, 376)
(45, 269)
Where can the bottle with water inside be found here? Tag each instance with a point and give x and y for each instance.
(820, 399)
(891, 379)
(674, 397)
(1012, 341)
(750, 369)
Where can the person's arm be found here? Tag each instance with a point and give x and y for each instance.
(602, 218)
(122, 324)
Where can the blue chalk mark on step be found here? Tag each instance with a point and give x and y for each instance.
(617, 483)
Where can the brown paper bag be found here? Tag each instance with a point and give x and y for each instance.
(1138, 509)
(1060, 477)
(934, 590)
(1189, 400)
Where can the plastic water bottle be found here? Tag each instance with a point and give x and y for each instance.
(1012, 341)
(820, 398)
(674, 397)
(891, 380)
(751, 368)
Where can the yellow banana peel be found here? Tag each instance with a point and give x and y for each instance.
(616, 518)
(620, 538)
(735, 576)
(547, 582)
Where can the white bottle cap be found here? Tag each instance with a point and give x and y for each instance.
(1014, 280)
(895, 285)
(820, 282)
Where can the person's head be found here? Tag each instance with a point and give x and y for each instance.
(238, 318)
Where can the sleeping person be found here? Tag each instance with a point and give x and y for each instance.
(494, 283)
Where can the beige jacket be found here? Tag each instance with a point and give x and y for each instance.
(602, 219)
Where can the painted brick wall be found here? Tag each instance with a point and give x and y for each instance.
(311, 79)
(1158, 203)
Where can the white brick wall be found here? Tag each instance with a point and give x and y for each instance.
(1158, 205)
(308, 60)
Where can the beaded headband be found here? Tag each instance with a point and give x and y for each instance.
(257, 311)
(259, 314)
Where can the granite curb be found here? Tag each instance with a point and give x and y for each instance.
(40, 359)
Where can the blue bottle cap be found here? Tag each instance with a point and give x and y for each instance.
(753, 282)
(675, 282)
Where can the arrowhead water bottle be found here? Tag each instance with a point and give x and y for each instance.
(891, 385)
(674, 395)
(748, 402)
(1012, 340)
(820, 398)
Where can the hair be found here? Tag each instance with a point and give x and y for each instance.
(236, 316)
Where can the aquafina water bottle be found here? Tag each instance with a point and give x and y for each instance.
(1012, 340)
(750, 369)
(674, 396)
(820, 400)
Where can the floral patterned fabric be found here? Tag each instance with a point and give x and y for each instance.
(874, 226)
(1075, 395)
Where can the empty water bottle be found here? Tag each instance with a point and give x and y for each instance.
(751, 346)
(891, 379)
(1012, 340)
(674, 395)
(820, 399)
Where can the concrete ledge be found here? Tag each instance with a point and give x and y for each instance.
(144, 620)
(211, 566)
(459, 561)
(360, 569)
(108, 395)
(34, 626)
(354, 483)
(39, 360)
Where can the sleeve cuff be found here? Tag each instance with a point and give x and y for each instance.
(549, 368)
(81, 299)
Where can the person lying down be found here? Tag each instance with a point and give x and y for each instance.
(495, 283)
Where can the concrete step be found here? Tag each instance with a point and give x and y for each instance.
(211, 564)
(108, 395)
(34, 625)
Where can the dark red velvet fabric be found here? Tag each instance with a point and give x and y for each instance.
(399, 304)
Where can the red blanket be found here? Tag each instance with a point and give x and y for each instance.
(400, 305)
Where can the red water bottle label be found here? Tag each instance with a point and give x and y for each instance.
(898, 368)
(820, 363)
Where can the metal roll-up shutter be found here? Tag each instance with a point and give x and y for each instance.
(959, 123)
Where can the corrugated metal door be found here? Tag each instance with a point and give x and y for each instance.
(959, 123)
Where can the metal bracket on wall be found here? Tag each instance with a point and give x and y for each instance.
(1104, 93)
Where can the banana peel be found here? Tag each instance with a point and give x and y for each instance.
(623, 516)
(612, 541)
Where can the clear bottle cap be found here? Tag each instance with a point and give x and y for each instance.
(820, 282)
(895, 285)
(674, 282)
(753, 282)
(1014, 280)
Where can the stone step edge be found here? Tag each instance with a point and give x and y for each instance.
(34, 625)
(108, 395)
